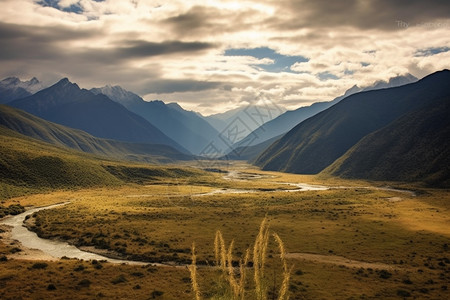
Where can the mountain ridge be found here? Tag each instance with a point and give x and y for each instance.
(317, 142)
(66, 104)
(288, 120)
(185, 127)
(415, 147)
(59, 135)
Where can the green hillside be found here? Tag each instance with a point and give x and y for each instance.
(28, 165)
(55, 134)
(317, 142)
(416, 147)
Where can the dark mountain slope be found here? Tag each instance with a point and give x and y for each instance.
(318, 141)
(59, 135)
(250, 153)
(415, 147)
(285, 122)
(185, 127)
(65, 103)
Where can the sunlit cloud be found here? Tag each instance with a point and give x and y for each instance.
(216, 55)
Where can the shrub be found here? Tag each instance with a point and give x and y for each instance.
(39, 265)
(84, 283)
(119, 279)
(156, 293)
(385, 274)
(79, 268)
(403, 293)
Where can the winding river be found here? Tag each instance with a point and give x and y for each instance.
(59, 249)
(54, 248)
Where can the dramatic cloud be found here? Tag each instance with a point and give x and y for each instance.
(220, 54)
(147, 49)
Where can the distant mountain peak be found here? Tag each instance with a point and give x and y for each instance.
(354, 89)
(65, 80)
(66, 84)
(13, 88)
(118, 94)
(34, 80)
(393, 82)
(176, 106)
(10, 81)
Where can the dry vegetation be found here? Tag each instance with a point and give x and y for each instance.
(159, 223)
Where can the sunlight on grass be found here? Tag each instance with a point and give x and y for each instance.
(233, 283)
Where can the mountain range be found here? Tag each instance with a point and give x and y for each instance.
(394, 130)
(13, 88)
(288, 120)
(319, 141)
(66, 104)
(65, 137)
(415, 147)
(187, 128)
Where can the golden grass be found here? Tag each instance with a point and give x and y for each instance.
(224, 261)
(193, 273)
(159, 222)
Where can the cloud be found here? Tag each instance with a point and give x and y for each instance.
(431, 51)
(276, 62)
(63, 5)
(362, 14)
(169, 86)
(222, 54)
(141, 48)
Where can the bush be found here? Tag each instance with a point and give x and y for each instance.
(79, 268)
(84, 283)
(156, 293)
(403, 293)
(385, 274)
(39, 266)
(119, 279)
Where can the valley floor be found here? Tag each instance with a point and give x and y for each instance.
(345, 239)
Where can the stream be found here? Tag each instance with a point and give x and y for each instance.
(54, 248)
(59, 249)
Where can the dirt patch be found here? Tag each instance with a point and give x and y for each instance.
(339, 260)
(395, 199)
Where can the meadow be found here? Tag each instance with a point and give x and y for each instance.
(355, 240)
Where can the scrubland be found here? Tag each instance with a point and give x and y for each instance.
(352, 241)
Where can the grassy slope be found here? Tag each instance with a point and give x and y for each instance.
(415, 147)
(318, 141)
(59, 135)
(29, 165)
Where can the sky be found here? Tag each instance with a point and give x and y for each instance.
(211, 56)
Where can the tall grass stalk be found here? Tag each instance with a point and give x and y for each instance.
(286, 272)
(220, 250)
(235, 289)
(231, 279)
(193, 271)
(259, 260)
